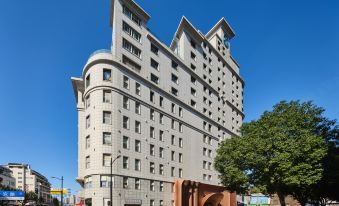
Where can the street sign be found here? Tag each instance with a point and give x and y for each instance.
(12, 195)
(57, 191)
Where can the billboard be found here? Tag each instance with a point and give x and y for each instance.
(12, 195)
(58, 191)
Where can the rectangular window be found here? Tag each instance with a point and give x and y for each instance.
(88, 81)
(193, 67)
(193, 44)
(154, 78)
(136, 67)
(152, 132)
(161, 118)
(151, 96)
(106, 117)
(152, 203)
(131, 48)
(125, 142)
(173, 156)
(193, 80)
(154, 49)
(105, 181)
(137, 165)
(125, 162)
(173, 124)
(174, 91)
(174, 79)
(180, 158)
(180, 173)
(193, 103)
(137, 145)
(161, 202)
(125, 82)
(173, 108)
(161, 101)
(161, 152)
(107, 75)
(152, 150)
(88, 142)
(152, 167)
(125, 182)
(88, 121)
(88, 101)
(137, 127)
(180, 112)
(130, 31)
(161, 189)
(88, 162)
(125, 122)
(107, 138)
(193, 56)
(137, 108)
(172, 171)
(137, 184)
(131, 15)
(161, 135)
(106, 160)
(107, 96)
(173, 140)
(154, 64)
(193, 92)
(137, 89)
(152, 114)
(181, 144)
(174, 65)
(181, 128)
(125, 102)
(161, 169)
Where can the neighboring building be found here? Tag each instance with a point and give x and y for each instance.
(28, 180)
(163, 109)
(6, 177)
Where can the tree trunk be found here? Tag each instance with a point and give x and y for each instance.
(281, 199)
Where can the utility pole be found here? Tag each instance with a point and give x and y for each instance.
(111, 184)
(62, 188)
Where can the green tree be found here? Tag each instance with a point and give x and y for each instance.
(31, 196)
(55, 202)
(282, 152)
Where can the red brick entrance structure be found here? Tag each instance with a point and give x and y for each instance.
(191, 193)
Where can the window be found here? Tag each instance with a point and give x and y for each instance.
(106, 160)
(105, 181)
(125, 142)
(161, 189)
(180, 142)
(88, 121)
(137, 184)
(107, 96)
(174, 65)
(161, 135)
(125, 82)
(204, 165)
(161, 169)
(151, 203)
(137, 127)
(131, 48)
(204, 177)
(173, 124)
(161, 202)
(161, 101)
(161, 118)
(180, 112)
(209, 153)
(137, 165)
(125, 162)
(152, 114)
(88, 101)
(88, 162)
(137, 108)
(161, 152)
(152, 150)
(88, 182)
(205, 152)
(193, 67)
(131, 15)
(193, 56)
(107, 138)
(193, 80)
(180, 173)
(172, 171)
(193, 44)
(125, 182)
(173, 108)
(125, 122)
(152, 132)
(137, 147)
(152, 183)
(151, 96)
(136, 67)
(181, 127)
(137, 89)
(173, 140)
(154, 78)
(88, 142)
(193, 92)
(193, 103)
(88, 81)
(152, 167)
(154, 64)
(106, 117)
(154, 49)
(130, 31)
(209, 165)
(174, 79)
(174, 91)
(107, 76)
(180, 157)
(125, 102)
(173, 156)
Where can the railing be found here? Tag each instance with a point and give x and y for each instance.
(106, 51)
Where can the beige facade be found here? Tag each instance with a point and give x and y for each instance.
(6, 177)
(164, 109)
(30, 180)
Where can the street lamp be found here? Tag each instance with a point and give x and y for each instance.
(111, 185)
(62, 188)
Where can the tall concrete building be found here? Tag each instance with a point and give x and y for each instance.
(30, 180)
(6, 177)
(163, 109)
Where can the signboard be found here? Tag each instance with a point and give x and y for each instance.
(12, 195)
(58, 191)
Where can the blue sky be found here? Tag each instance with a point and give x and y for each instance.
(287, 50)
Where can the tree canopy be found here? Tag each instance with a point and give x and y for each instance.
(282, 152)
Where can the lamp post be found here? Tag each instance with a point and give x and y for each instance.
(111, 185)
(62, 188)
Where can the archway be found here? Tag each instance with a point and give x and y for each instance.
(213, 199)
